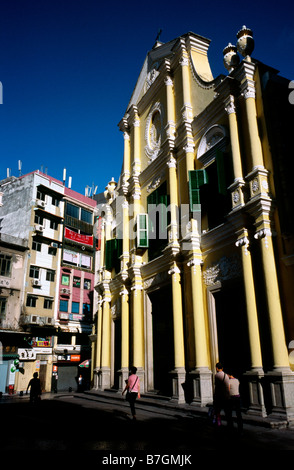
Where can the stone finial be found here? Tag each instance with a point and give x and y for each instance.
(231, 58)
(245, 42)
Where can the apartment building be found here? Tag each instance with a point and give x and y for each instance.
(55, 225)
(75, 289)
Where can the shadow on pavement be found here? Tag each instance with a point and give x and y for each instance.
(63, 425)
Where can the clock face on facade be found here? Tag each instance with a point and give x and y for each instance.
(153, 132)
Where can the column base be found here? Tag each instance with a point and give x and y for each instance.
(255, 378)
(123, 376)
(102, 378)
(178, 379)
(141, 375)
(281, 383)
(202, 386)
(96, 378)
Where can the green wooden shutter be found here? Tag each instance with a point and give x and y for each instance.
(109, 250)
(142, 231)
(197, 178)
(221, 173)
(163, 201)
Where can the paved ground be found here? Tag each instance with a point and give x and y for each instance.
(75, 422)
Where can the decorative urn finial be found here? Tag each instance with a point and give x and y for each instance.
(245, 42)
(231, 58)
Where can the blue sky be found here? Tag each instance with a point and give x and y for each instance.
(68, 69)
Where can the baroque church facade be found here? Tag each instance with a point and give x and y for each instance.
(196, 237)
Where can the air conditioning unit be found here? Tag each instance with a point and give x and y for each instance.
(54, 245)
(34, 319)
(41, 203)
(64, 290)
(50, 321)
(36, 282)
(39, 228)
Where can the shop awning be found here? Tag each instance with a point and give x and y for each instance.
(85, 363)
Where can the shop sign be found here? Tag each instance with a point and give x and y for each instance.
(75, 358)
(70, 358)
(26, 354)
(78, 237)
(43, 350)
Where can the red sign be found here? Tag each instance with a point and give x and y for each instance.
(78, 238)
(75, 358)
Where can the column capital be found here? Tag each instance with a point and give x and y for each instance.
(184, 61)
(174, 270)
(168, 81)
(230, 106)
(171, 163)
(249, 91)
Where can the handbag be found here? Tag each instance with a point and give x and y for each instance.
(128, 395)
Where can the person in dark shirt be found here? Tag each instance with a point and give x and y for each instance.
(35, 386)
(221, 394)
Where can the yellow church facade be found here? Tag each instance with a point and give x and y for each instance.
(195, 266)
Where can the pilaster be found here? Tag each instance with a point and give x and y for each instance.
(178, 374)
(201, 375)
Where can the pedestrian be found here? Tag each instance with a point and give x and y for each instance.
(133, 390)
(35, 386)
(221, 394)
(235, 402)
(80, 383)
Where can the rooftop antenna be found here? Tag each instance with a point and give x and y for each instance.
(69, 181)
(46, 170)
(94, 190)
(41, 168)
(64, 176)
(8, 172)
(19, 167)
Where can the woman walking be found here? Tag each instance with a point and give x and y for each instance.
(133, 390)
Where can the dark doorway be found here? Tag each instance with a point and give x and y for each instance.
(232, 330)
(163, 339)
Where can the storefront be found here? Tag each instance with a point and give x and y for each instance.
(10, 363)
(65, 372)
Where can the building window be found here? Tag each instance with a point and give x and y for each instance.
(31, 301)
(55, 201)
(3, 303)
(77, 259)
(63, 306)
(52, 250)
(75, 307)
(76, 282)
(65, 280)
(50, 275)
(40, 195)
(87, 284)
(5, 265)
(37, 246)
(39, 219)
(48, 303)
(34, 272)
(72, 211)
(53, 225)
(86, 216)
